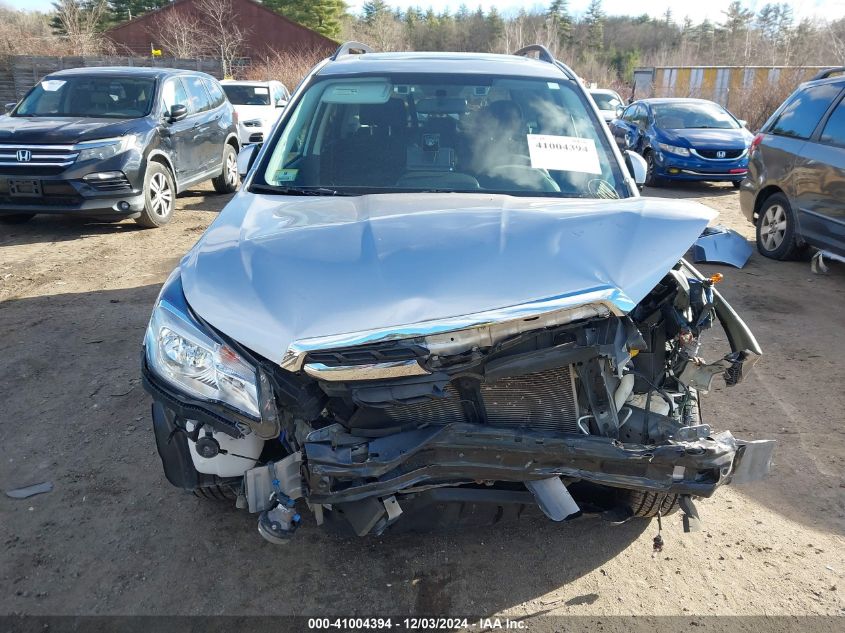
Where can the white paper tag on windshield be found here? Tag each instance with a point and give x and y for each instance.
(564, 153)
(51, 85)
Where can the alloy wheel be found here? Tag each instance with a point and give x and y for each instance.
(231, 169)
(773, 227)
(161, 196)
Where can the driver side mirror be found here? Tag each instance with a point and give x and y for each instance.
(619, 110)
(10, 107)
(246, 157)
(637, 167)
(178, 112)
(742, 122)
(281, 103)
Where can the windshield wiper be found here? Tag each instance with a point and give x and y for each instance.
(296, 191)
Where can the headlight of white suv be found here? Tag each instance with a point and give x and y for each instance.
(253, 123)
(184, 354)
(673, 149)
(102, 149)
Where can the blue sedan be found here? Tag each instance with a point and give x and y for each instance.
(684, 139)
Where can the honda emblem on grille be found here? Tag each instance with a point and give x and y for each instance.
(24, 155)
(719, 154)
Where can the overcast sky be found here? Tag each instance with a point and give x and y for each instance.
(712, 9)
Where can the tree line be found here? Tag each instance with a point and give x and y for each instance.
(604, 48)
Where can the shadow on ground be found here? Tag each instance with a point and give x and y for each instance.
(115, 527)
(114, 537)
(691, 190)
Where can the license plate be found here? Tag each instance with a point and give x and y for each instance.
(25, 188)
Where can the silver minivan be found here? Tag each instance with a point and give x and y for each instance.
(795, 189)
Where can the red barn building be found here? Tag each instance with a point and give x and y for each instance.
(266, 31)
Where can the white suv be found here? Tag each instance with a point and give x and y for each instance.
(258, 104)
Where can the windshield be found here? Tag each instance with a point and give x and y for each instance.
(677, 116)
(406, 133)
(94, 96)
(606, 101)
(247, 95)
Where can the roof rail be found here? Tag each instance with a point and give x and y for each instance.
(827, 72)
(543, 53)
(347, 48)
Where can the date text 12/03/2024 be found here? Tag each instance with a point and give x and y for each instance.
(415, 624)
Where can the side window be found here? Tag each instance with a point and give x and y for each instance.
(834, 129)
(198, 95)
(173, 93)
(804, 112)
(216, 92)
(642, 115)
(630, 113)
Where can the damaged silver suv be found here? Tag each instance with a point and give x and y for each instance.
(439, 298)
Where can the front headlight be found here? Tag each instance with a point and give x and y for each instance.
(183, 353)
(673, 149)
(253, 123)
(105, 148)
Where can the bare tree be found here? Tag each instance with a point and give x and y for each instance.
(79, 24)
(180, 34)
(27, 33)
(219, 29)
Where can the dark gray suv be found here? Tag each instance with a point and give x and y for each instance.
(795, 189)
(115, 143)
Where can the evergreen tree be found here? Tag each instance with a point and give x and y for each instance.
(594, 19)
(737, 18)
(560, 21)
(123, 10)
(322, 16)
(373, 10)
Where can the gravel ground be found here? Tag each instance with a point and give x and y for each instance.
(115, 538)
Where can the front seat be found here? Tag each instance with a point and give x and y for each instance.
(375, 153)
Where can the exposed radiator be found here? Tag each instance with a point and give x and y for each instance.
(545, 400)
(435, 410)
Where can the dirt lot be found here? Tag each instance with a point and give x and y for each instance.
(115, 538)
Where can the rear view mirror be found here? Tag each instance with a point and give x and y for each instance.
(178, 112)
(637, 167)
(10, 107)
(246, 157)
(742, 122)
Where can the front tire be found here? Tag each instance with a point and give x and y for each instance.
(229, 179)
(16, 218)
(651, 177)
(216, 492)
(649, 504)
(776, 234)
(159, 197)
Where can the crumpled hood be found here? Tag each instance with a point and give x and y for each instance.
(272, 270)
(59, 130)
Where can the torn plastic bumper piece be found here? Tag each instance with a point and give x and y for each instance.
(341, 468)
(721, 245)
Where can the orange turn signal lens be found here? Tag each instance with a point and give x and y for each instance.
(714, 279)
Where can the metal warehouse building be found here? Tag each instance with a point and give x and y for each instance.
(723, 84)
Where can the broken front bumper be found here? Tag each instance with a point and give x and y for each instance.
(339, 468)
